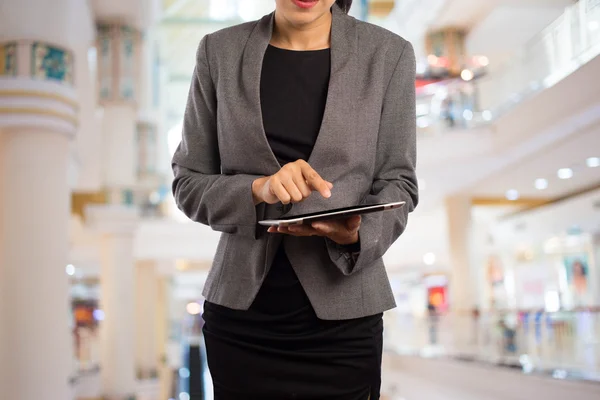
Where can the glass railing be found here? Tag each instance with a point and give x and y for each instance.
(561, 344)
(568, 43)
(556, 52)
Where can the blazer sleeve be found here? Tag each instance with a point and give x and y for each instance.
(394, 178)
(201, 191)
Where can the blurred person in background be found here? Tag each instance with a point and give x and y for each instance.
(433, 322)
(305, 100)
(579, 285)
(579, 277)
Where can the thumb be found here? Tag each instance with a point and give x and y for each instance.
(353, 223)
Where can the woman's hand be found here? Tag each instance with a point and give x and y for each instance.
(292, 184)
(341, 231)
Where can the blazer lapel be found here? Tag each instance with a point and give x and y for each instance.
(339, 115)
(252, 60)
(340, 106)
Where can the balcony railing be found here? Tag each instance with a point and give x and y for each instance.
(564, 46)
(563, 344)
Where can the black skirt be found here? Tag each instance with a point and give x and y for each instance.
(279, 349)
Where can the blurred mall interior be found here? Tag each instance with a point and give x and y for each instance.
(497, 278)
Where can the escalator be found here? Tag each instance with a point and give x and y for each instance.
(196, 368)
(192, 380)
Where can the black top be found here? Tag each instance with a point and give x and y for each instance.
(293, 93)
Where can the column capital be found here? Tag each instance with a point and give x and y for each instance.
(37, 86)
(113, 219)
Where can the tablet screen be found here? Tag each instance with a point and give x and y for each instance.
(337, 210)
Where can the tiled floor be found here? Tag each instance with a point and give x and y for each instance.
(427, 379)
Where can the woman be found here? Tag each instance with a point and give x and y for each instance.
(304, 110)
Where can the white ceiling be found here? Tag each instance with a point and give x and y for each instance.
(508, 28)
(556, 220)
(571, 152)
(469, 13)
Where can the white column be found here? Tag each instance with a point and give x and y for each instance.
(37, 356)
(162, 332)
(119, 67)
(146, 319)
(479, 257)
(146, 81)
(458, 211)
(120, 150)
(38, 119)
(116, 226)
(89, 137)
(3, 339)
(153, 169)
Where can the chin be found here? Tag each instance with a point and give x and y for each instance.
(297, 15)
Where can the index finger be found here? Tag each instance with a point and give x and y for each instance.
(314, 180)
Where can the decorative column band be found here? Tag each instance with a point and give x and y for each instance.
(119, 61)
(25, 101)
(36, 60)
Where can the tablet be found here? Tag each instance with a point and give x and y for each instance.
(332, 214)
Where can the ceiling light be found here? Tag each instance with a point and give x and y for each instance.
(541, 184)
(467, 75)
(565, 173)
(512, 195)
(468, 115)
(429, 259)
(593, 162)
(70, 270)
(487, 115)
(483, 61)
(193, 308)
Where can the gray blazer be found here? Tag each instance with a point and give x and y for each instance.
(365, 147)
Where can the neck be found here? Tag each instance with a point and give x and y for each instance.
(311, 36)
